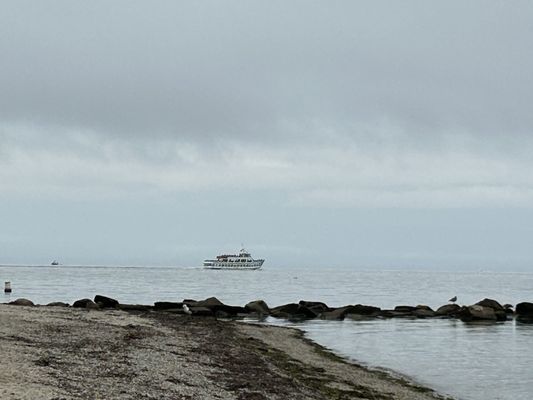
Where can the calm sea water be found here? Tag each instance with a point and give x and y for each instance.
(469, 361)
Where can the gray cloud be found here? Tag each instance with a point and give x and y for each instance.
(350, 103)
(249, 70)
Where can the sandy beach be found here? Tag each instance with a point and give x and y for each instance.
(60, 353)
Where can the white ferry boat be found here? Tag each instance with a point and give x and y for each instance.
(243, 260)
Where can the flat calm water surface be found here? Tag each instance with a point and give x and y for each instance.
(468, 361)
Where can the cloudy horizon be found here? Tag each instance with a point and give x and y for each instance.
(160, 133)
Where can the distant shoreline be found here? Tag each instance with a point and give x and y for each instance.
(60, 352)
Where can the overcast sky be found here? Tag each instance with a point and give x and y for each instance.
(372, 134)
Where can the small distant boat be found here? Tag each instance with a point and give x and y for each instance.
(243, 260)
(55, 262)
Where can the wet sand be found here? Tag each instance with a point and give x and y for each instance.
(57, 353)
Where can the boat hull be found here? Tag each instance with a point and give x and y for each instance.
(215, 264)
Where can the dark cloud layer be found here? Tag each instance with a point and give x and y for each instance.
(255, 70)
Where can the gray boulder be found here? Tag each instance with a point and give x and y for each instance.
(258, 306)
(337, 314)
(105, 302)
(477, 313)
(524, 309)
(85, 303)
(58, 304)
(293, 311)
(423, 313)
(448, 310)
(284, 310)
(353, 312)
(404, 309)
(396, 314)
(209, 303)
(524, 312)
(22, 302)
(167, 305)
(499, 310)
(316, 306)
(399, 312)
(361, 309)
(491, 304)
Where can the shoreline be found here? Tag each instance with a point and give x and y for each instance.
(66, 353)
(371, 375)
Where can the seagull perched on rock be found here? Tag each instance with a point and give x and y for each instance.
(453, 299)
(186, 309)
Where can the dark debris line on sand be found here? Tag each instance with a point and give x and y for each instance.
(242, 366)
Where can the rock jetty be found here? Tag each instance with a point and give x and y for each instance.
(484, 310)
